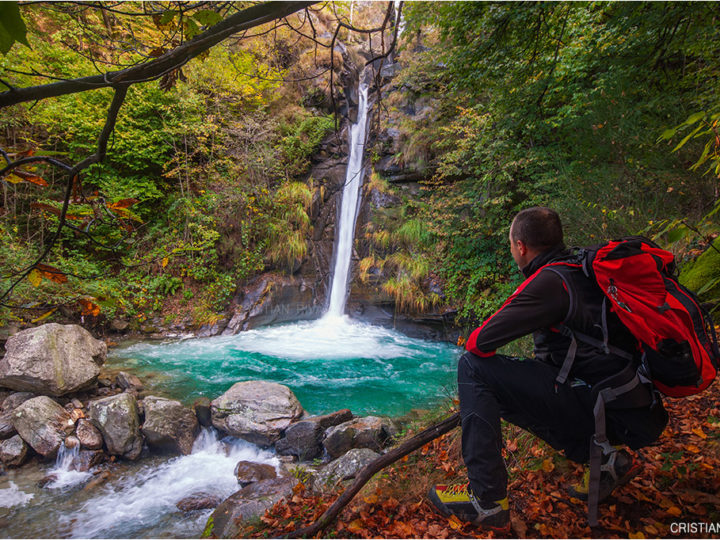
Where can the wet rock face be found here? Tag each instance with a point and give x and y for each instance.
(344, 468)
(43, 424)
(117, 419)
(248, 503)
(7, 429)
(169, 426)
(257, 411)
(52, 359)
(368, 432)
(198, 501)
(303, 438)
(248, 472)
(88, 435)
(13, 451)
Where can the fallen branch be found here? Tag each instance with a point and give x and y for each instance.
(418, 441)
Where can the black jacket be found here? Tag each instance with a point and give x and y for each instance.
(550, 297)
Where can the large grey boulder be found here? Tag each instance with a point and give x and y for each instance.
(13, 451)
(367, 432)
(248, 503)
(344, 467)
(117, 419)
(257, 411)
(304, 438)
(43, 424)
(52, 359)
(14, 400)
(169, 426)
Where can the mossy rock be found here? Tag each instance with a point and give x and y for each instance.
(703, 274)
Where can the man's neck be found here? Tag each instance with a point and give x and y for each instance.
(542, 259)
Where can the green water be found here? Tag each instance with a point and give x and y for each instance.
(329, 365)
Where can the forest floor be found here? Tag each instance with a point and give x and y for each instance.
(679, 483)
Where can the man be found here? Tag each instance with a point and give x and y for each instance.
(540, 394)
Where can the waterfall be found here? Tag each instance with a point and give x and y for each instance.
(348, 211)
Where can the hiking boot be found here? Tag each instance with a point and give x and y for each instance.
(617, 470)
(459, 501)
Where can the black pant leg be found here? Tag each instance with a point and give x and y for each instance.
(524, 393)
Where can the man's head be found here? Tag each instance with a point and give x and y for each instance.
(533, 231)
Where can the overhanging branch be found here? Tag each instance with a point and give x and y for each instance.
(173, 59)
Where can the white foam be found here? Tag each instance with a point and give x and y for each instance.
(13, 496)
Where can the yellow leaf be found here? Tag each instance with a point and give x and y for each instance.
(699, 432)
(355, 526)
(548, 465)
(371, 499)
(13, 178)
(674, 511)
(35, 277)
(44, 315)
(164, 262)
(636, 535)
(454, 523)
(692, 448)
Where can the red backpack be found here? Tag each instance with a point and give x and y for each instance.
(676, 334)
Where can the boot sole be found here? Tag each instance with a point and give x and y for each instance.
(445, 512)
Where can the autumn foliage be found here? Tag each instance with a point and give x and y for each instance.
(679, 482)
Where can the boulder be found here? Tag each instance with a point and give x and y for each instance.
(14, 400)
(344, 468)
(301, 439)
(7, 429)
(367, 432)
(201, 406)
(129, 381)
(87, 459)
(88, 435)
(13, 451)
(248, 503)
(52, 359)
(198, 501)
(257, 411)
(333, 419)
(117, 419)
(169, 426)
(248, 472)
(43, 424)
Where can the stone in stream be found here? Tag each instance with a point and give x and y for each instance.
(117, 419)
(257, 411)
(129, 381)
(344, 467)
(198, 501)
(248, 472)
(88, 435)
(87, 459)
(7, 429)
(248, 503)
(367, 432)
(201, 406)
(13, 451)
(52, 359)
(169, 426)
(303, 438)
(43, 424)
(14, 400)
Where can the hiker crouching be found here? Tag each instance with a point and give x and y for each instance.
(555, 394)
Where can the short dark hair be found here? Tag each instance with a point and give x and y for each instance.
(538, 227)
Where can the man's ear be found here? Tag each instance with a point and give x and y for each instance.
(522, 247)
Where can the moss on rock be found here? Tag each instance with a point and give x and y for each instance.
(702, 276)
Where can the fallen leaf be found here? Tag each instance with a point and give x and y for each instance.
(636, 535)
(548, 465)
(674, 511)
(700, 433)
(454, 523)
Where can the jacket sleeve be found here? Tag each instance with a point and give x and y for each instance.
(540, 302)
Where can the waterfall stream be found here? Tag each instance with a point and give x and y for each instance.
(349, 207)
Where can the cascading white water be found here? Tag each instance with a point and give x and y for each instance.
(64, 473)
(348, 210)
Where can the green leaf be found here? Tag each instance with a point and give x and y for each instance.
(680, 233)
(12, 26)
(207, 17)
(687, 138)
(167, 17)
(694, 118)
(191, 29)
(667, 134)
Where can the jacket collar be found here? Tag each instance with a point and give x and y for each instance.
(545, 257)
